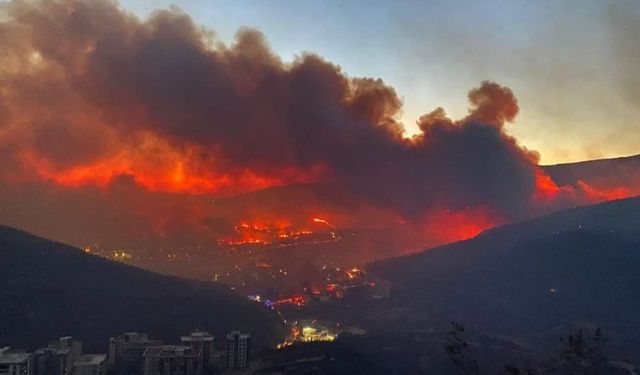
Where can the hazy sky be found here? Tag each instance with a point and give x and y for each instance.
(574, 65)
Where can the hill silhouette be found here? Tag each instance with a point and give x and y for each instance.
(48, 289)
(532, 280)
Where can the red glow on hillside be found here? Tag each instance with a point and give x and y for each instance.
(273, 231)
(158, 167)
(446, 226)
(173, 109)
(547, 191)
(599, 195)
(546, 188)
(295, 300)
(323, 221)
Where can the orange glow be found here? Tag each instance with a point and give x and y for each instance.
(262, 233)
(446, 226)
(354, 273)
(547, 190)
(157, 166)
(322, 221)
(330, 288)
(600, 195)
(296, 300)
(270, 231)
(74, 114)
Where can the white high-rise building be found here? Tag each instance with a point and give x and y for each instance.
(172, 360)
(90, 364)
(125, 352)
(68, 343)
(203, 342)
(238, 349)
(15, 363)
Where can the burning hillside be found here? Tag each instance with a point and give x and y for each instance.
(279, 234)
(152, 133)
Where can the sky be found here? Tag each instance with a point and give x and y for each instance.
(571, 64)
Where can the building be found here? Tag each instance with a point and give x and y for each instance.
(126, 350)
(218, 361)
(52, 361)
(317, 333)
(90, 364)
(172, 360)
(15, 363)
(238, 350)
(68, 343)
(202, 342)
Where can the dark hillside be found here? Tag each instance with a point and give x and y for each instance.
(530, 280)
(48, 289)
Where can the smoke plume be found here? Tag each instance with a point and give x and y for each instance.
(91, 95)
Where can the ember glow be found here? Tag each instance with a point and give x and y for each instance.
(449, 226)
(156, 166)
(548, 191)
(154, 129)
(264, 234)
(323, 221)
(280, 232)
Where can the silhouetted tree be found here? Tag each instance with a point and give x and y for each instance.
(456, 349)
(583, 354)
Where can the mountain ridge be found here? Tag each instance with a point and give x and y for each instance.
(48, 289)
(529, 279)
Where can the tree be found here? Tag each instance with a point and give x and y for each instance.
(584, 354)
(456, 347)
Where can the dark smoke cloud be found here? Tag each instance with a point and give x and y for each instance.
(84, 80)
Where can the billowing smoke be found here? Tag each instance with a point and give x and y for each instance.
(91, 95)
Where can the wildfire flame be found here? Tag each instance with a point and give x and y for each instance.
(323, 221)
(220, 120)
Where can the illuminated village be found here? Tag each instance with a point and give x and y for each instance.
(252, 274)
(332, 283)
(135, 353)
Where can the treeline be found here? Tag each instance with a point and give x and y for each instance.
(583, 353)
